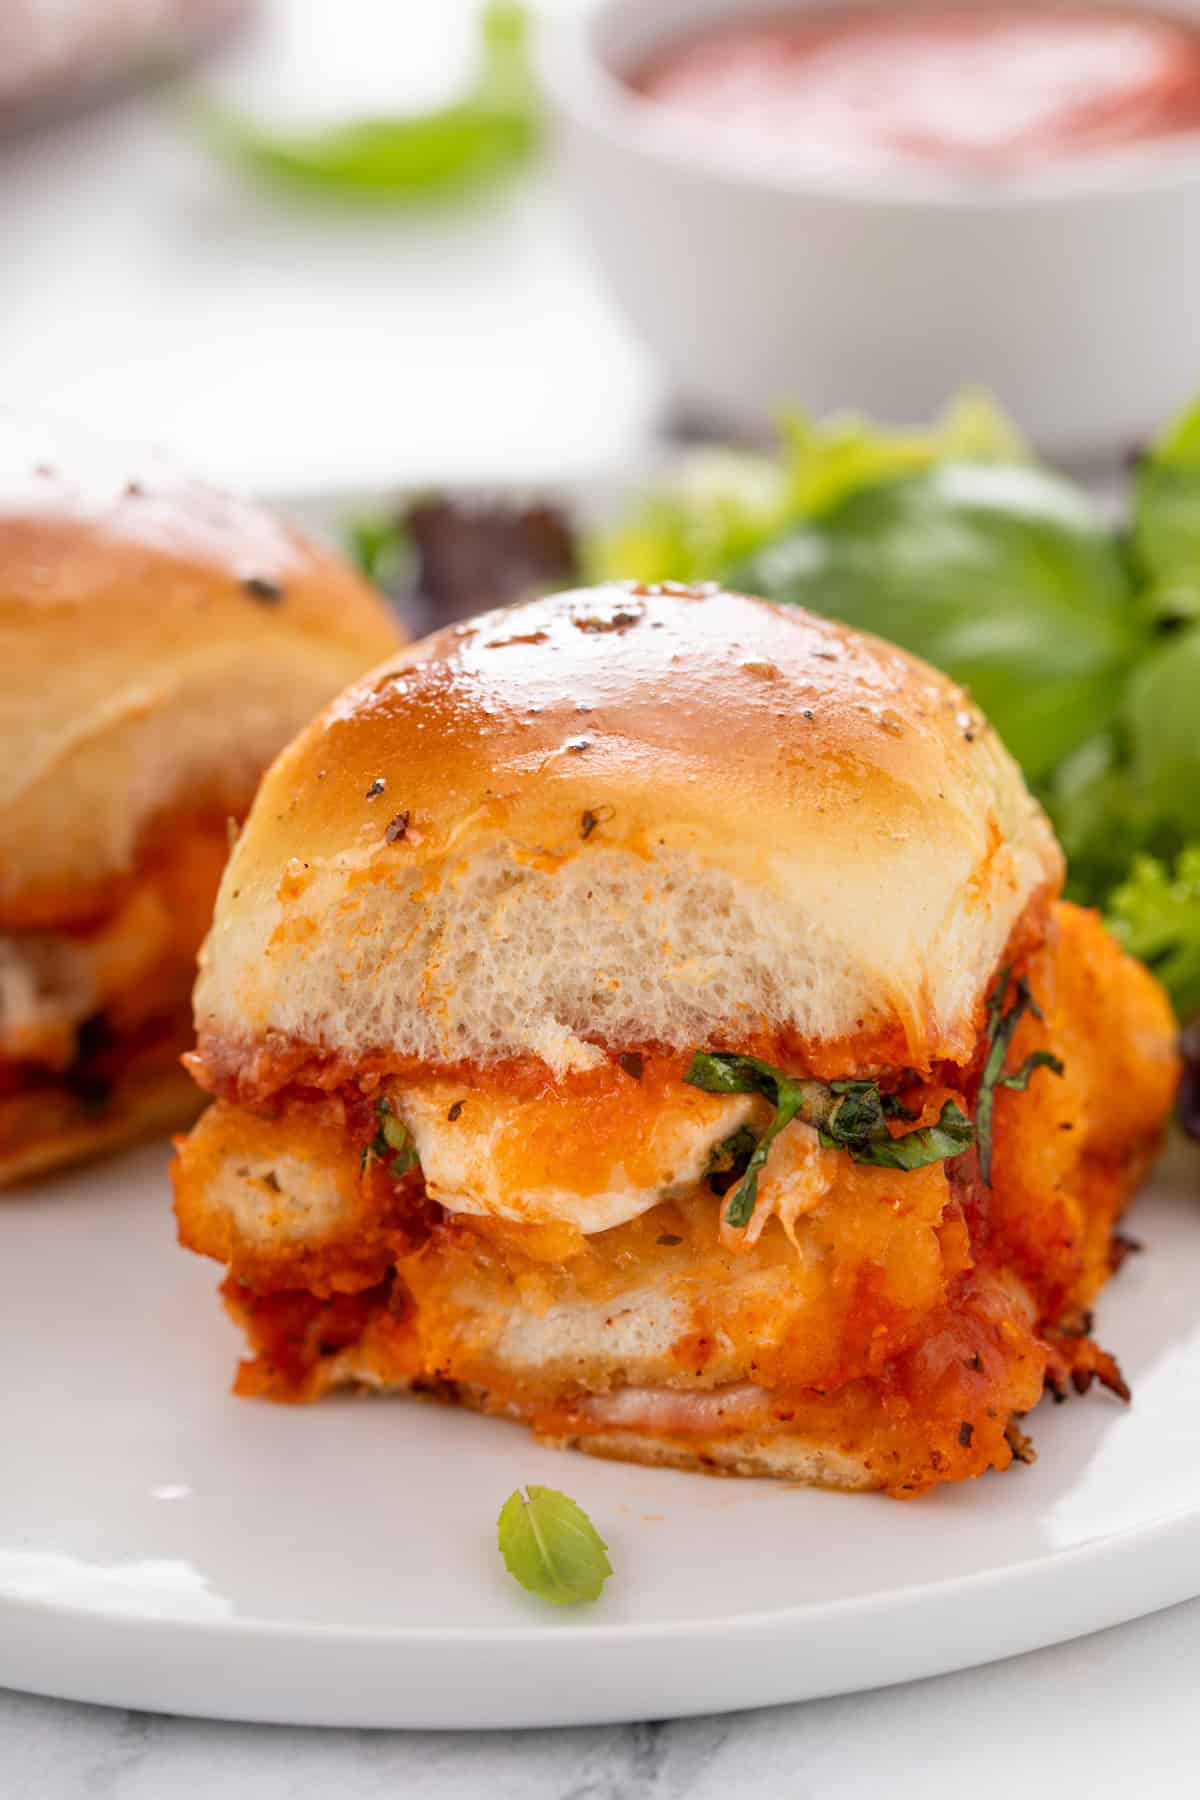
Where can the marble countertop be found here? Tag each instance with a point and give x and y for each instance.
(1109, 1715)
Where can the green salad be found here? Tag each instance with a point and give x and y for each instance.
(1078, 635)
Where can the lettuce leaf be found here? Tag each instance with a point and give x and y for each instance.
(1005, 576)
(1162, 720)
(1136, 790)
(1128, 803)
(1165, 530)
(1101, 820)
(826, 462)
(378, 545)
(948, 541)
(1156, 915)
(1080, 641)
(715, 507)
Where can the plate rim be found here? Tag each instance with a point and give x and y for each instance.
(457, 1678)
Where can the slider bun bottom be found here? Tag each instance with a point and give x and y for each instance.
(829, 1444)
(782, 1458)
(43, 1131)
(778, 1455)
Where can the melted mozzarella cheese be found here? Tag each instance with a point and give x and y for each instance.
(592, 1163)
(796, 1177)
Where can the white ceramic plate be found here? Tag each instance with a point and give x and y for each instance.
(164, 1545)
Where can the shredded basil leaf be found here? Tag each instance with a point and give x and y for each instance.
(392, 1144)
(734, 1150)
(847, 1115)
(1000, 1028)
(729, 1160)
(742, 1201)
(952, 1134)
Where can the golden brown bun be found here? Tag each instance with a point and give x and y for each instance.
(778, 1455)
(773, 1453)
(629, 816)
(45, 1129)
(159, 642)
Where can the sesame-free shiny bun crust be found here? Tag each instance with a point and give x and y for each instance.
(159, 642)
(629, 816)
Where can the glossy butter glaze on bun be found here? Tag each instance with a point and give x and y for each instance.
(488, 963)
(743, 820)
(159, 642)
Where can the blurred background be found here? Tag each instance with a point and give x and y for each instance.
(148, 290)
(204, 244)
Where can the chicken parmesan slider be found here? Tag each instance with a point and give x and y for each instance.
(648, 1014)
(159, 642)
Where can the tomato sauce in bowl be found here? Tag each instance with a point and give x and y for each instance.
(994, 88)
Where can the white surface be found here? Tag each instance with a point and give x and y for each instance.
(164, 1545)
(1109, 1717)
(1070, 294)
(148, 293)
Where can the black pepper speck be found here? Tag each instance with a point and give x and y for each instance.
(261, 587)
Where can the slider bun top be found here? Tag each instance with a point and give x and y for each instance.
(159, 642)
(630, 816)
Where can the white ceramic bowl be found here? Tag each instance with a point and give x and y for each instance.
(1074, 293)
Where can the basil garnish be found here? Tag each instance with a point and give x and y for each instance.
(1000, 1028)
(392, 1144)
(847, 1115)
(551, 1546)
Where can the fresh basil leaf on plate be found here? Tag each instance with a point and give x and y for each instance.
(551, 1546)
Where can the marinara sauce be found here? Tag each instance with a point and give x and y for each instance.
(990, 87)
